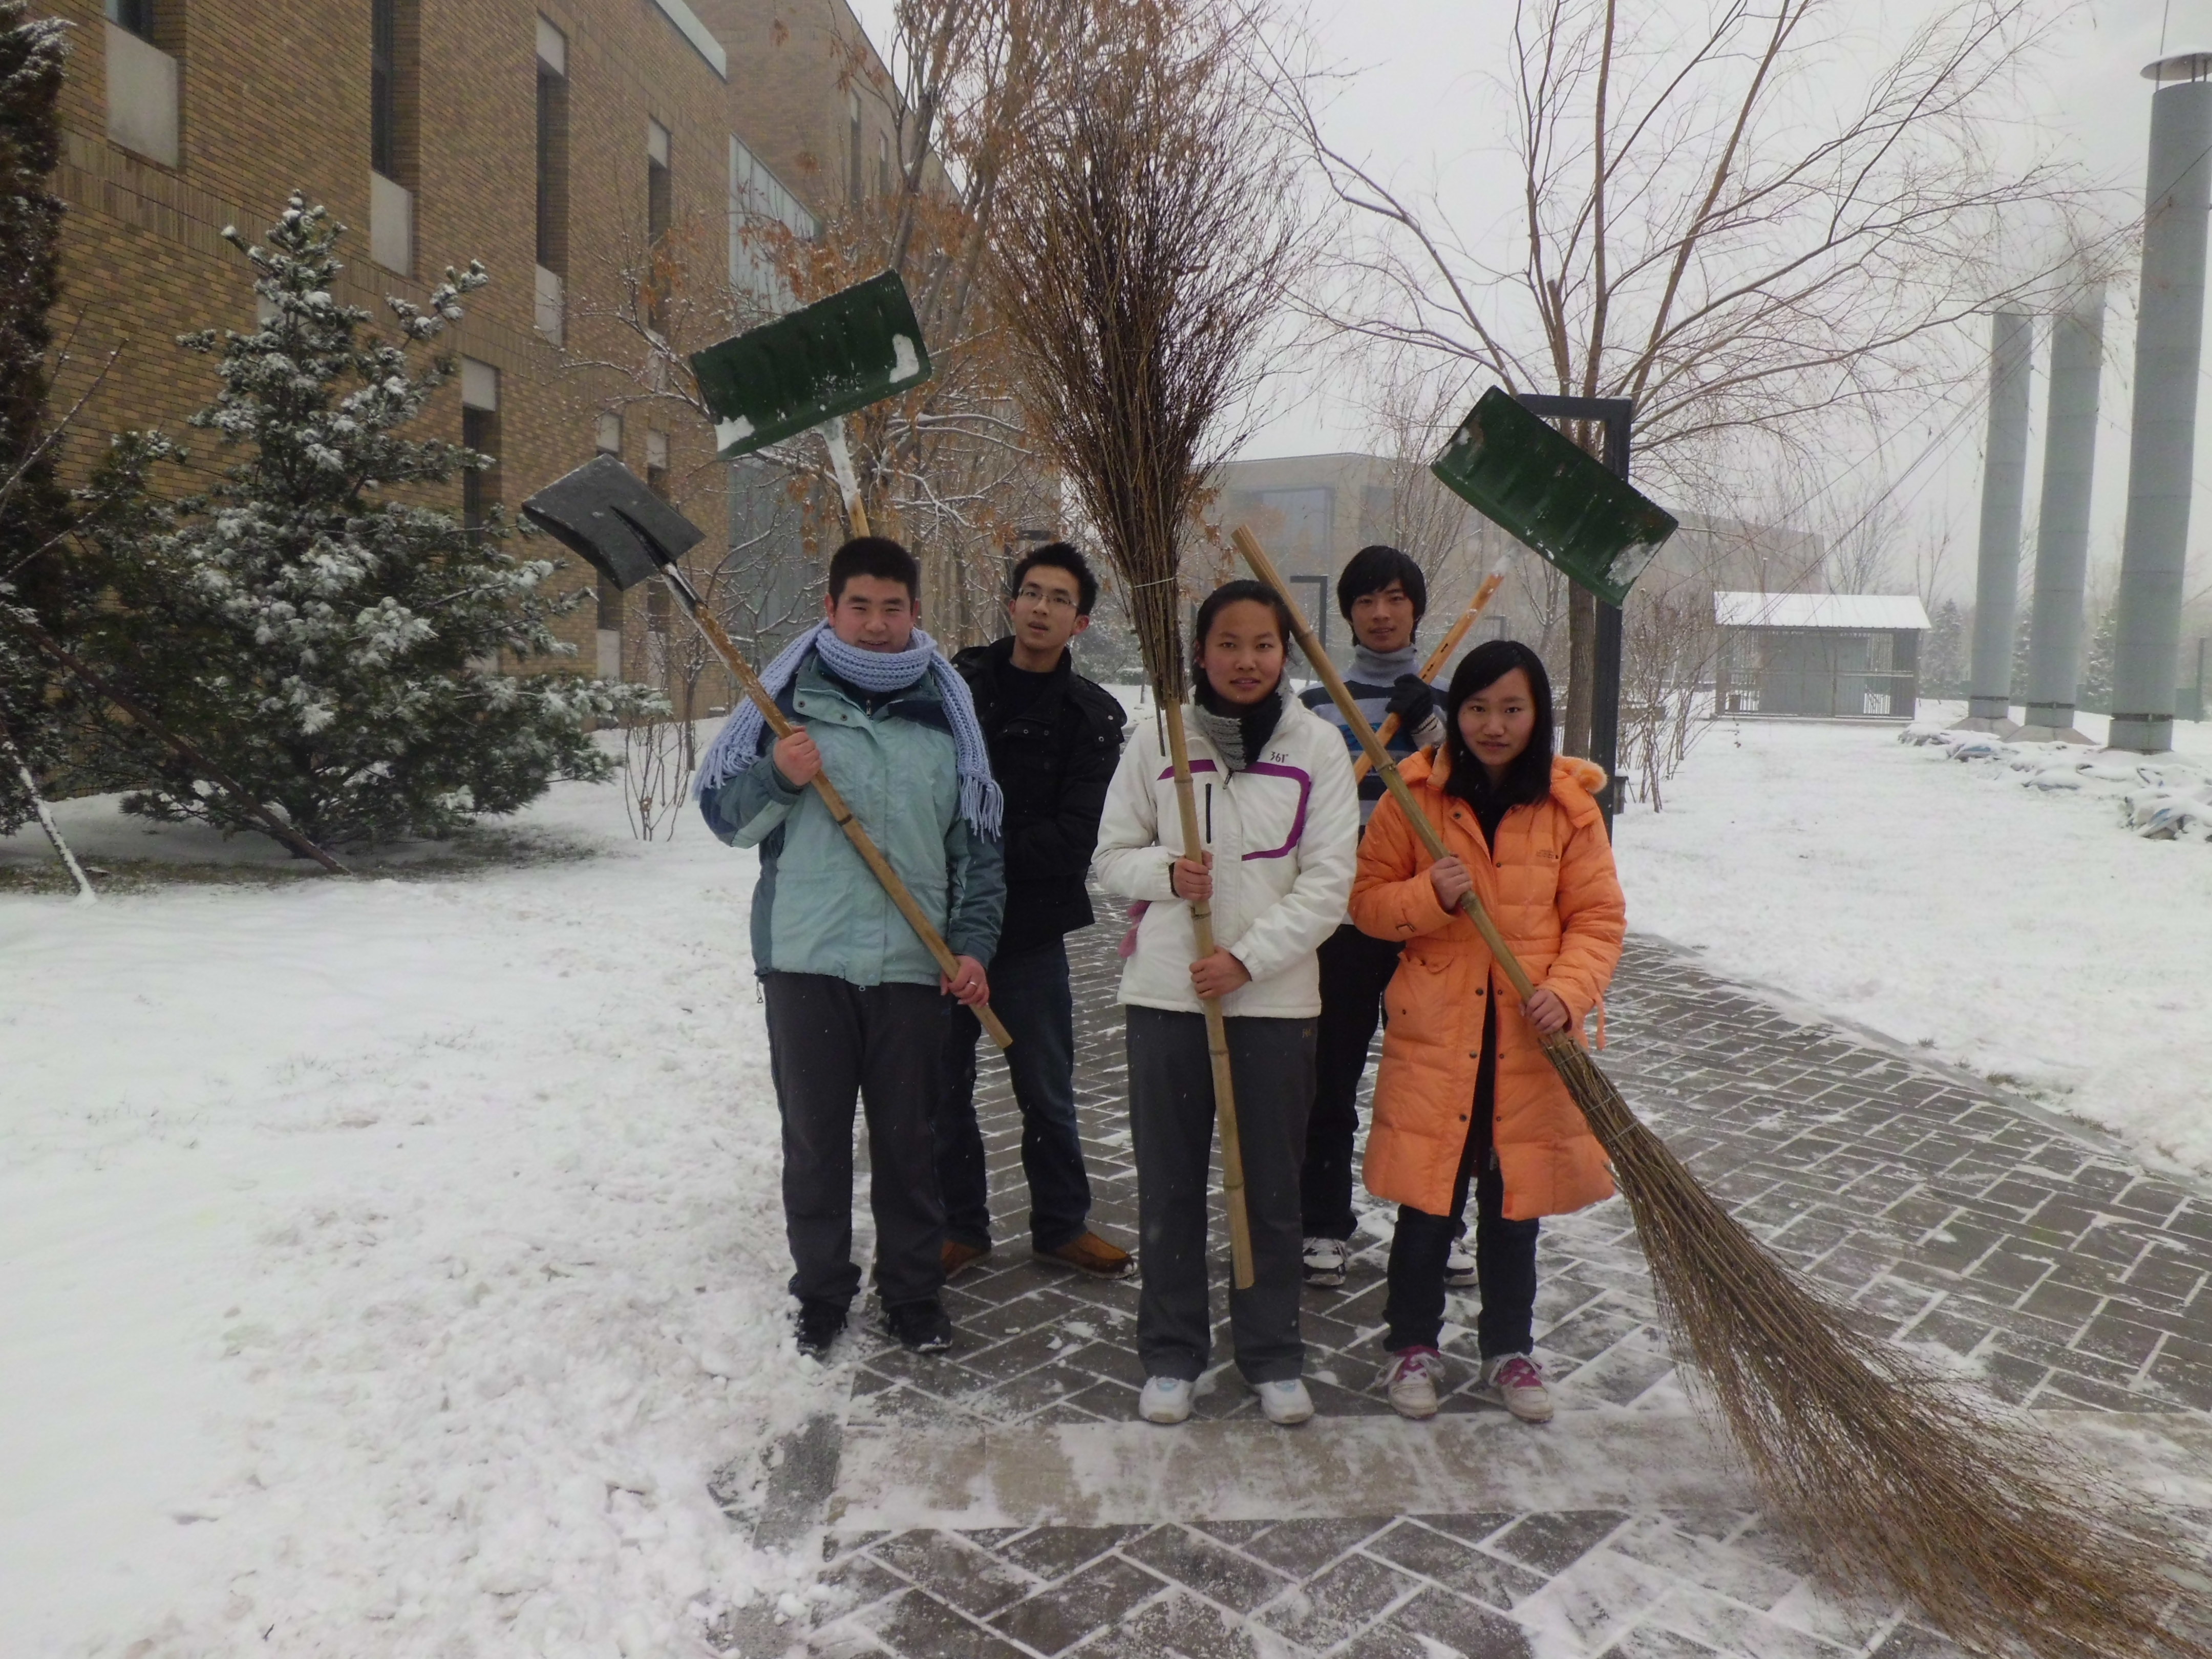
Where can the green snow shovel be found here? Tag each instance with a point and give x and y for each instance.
(812, 368)
(1526, 476)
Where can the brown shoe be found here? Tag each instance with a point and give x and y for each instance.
(1091, 1254)
(959, 1256)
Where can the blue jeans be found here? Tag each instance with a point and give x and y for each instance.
(1029, 992)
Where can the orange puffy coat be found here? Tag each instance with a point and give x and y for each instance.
(1552, 891)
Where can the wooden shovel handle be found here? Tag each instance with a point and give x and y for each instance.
(863, 843)
(1264, 568)
(1438, 659)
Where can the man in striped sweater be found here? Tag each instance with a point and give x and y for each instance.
(1383, 594)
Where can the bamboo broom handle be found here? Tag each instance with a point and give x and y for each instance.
(863, 843)
(1264, 567)
(1438, 659)
(1217, 1028)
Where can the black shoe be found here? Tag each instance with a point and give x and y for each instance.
(920, 1326)
(819, 1324)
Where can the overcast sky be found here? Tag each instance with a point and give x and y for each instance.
(1421, 104)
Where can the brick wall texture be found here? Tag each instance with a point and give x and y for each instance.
(276, 98)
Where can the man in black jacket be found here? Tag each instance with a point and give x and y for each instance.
(1054, 739)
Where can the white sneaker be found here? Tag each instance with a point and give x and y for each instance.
(1284, 1402)
(1459, 1267)
(1411, 1378)
(1326, 1262)
(1520, 1386)
(1166, 1399)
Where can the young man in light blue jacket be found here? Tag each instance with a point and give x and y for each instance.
(856, 1004)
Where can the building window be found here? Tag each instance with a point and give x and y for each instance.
(144, 84)
(136, 15)
(656, 463)
(883, 164)
(608, 440)
(384, 86)
(758, 200)
(552, 148)
(480, 489)
(392, 39)
(853, 144)
(659, 213)
(659, 194)
(552, 275)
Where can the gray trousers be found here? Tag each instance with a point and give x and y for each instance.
(1171, 1123)
(828, 1041)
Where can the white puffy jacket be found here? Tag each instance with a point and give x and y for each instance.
(1284, 836)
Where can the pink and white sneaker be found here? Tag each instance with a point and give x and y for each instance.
(1410, 1379)
(1519, 1385)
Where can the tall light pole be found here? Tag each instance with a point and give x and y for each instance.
(2169, 340)
(2062, 536)
(1997, 570)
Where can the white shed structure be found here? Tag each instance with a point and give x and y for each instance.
(1818, 656)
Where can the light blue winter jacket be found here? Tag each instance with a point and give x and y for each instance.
(818, 909)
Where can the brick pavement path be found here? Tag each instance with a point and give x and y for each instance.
(1943, 1215)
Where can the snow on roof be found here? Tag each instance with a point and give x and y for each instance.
(1875, 611)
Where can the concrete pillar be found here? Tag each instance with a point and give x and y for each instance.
(2062, 537)
(2169, 337)
(2004, 481)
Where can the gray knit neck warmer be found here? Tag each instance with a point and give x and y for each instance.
(1385, 668)
(1241, 736)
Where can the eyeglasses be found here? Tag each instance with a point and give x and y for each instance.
(1031, 594)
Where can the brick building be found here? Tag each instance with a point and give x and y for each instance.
(561, 143)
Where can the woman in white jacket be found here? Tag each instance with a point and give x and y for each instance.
(1281, 819)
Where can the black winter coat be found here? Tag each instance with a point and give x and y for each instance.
(1054, 761)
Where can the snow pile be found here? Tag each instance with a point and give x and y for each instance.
(2004, 929)
(2160, 798)
(387, 1263)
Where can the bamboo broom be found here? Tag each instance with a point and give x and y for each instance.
(1897, 1479)
(1143, 233)
(1438, 659)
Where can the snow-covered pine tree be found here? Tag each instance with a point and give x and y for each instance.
(2096, 693)
(1943, 653)
(34, 507)
(322, 632)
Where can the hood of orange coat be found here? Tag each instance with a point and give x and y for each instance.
(1574, 781)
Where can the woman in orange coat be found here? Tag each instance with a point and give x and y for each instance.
(1465, 1093)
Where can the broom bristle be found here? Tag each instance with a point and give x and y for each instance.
(2007, 1543)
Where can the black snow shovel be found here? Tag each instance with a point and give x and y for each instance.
(603, 512)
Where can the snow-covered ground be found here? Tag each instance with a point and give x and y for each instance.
(383, 1263)
(2025, 933)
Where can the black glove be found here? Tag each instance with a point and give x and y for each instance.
(1412, 700)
